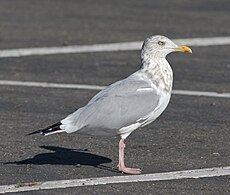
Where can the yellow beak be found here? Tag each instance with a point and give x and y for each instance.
(184, 49)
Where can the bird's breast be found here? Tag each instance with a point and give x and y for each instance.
(163, 103)
(161, 76)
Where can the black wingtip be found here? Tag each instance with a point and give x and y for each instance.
(36, 132)
(48, 129)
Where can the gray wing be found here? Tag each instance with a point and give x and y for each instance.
(119, 105)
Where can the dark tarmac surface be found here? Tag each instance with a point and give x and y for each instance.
(192, 133)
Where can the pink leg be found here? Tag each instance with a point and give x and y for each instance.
(121, 164)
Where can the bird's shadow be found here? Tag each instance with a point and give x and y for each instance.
(66, 156)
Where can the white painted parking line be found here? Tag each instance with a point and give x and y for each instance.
(126, 46)
(51, 85)
(201, 93)
(187, 174)
(97, 87)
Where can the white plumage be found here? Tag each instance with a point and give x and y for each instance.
(130, 103)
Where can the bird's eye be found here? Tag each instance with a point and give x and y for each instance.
(161, 43)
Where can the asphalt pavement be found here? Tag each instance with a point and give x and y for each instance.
(192, 133)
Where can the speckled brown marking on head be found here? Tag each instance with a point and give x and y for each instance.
(154, 64)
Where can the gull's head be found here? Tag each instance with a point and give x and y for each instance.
(160, 46)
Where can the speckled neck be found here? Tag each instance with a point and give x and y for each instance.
(158, 71)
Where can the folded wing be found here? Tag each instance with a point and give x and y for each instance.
(119, 105)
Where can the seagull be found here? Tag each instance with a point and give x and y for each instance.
(128, 104)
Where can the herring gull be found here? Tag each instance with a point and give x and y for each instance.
(127, 104)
